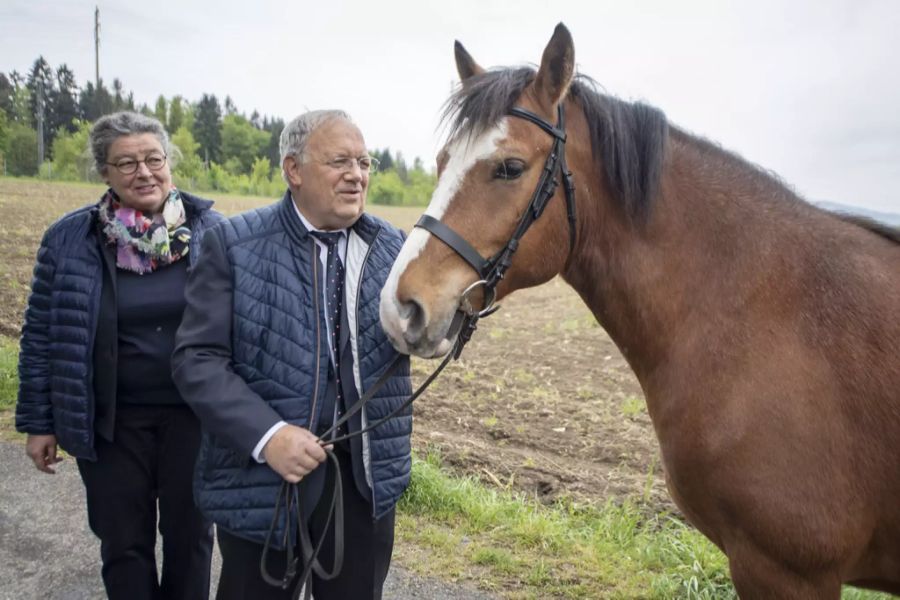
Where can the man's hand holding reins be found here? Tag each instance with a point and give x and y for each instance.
(293, 452)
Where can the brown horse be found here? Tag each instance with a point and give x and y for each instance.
(765, 332)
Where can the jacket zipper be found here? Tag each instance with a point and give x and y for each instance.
(89, 380)
(364, 418)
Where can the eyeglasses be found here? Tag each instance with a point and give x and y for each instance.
(344, 164)
(129, 166)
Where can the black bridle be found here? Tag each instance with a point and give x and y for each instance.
(490, 271)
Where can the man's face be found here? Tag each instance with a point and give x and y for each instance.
(328, 193)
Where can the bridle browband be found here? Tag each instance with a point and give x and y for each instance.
(490, 272)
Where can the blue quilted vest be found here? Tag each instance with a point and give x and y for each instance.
(276, 352)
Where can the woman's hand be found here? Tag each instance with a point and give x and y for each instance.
(41, 449)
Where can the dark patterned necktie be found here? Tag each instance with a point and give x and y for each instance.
(334, 292)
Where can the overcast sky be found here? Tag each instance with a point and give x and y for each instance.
(808, 89)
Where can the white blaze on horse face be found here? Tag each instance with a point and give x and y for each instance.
(463, 154)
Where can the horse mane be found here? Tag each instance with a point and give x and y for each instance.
(876, 227)
(629, 138)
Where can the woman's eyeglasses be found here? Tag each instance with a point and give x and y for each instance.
(129, 166)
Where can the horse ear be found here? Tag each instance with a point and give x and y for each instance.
(557, 67)
(465, 64)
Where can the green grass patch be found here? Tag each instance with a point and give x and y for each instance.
(9, 378)
(507, 543)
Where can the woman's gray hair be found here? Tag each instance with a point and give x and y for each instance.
(295, 134)
(111, 127)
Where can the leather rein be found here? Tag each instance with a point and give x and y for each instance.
(490, 271)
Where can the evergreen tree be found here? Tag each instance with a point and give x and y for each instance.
(273, 151)
(7, 93)
(387, 162)
(64, 102)
(41, 85)
(94, 102)
(230, 108)
(161, 111)
(176, 115)
(400, 167)
(4, 139)
(86, 102)
(118, 100)
(21, 112)
(188, 109)
(207, 123)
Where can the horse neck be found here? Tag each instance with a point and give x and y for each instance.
(709, 239)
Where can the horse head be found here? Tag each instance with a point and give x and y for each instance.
(488, 172)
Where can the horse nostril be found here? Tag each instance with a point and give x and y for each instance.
(416, 317)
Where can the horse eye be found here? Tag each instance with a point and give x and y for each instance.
(509, 169)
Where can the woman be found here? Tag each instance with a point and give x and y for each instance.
(106, 300)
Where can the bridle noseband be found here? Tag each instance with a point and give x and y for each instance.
(490, 271)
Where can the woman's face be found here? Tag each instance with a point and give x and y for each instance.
(147, 188)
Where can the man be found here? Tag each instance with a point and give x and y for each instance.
(280, 336)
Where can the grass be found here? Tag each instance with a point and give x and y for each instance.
(507, 543)
(9, 380)
(504, 542)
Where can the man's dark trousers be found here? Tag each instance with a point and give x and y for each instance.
(368, 545)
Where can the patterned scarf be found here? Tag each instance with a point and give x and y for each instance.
(145, 243)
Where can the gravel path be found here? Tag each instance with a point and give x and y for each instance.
(47, 551)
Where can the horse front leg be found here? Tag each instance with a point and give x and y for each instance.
(759, 577)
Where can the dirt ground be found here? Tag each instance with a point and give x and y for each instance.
(541, 401)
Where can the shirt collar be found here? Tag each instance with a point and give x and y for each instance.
(306, 223)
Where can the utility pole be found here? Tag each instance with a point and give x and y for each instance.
(97, 46)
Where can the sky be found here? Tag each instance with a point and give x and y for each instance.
(807, 89)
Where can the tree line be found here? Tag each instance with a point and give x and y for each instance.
(45, 121)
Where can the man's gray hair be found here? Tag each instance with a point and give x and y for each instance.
(111, 127)
(295, 134)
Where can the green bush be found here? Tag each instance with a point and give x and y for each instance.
(22, 156)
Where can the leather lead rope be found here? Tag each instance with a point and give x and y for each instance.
(289, 496)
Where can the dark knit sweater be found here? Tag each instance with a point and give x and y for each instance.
(149, 312)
